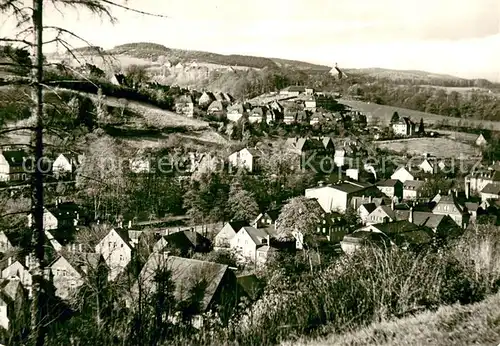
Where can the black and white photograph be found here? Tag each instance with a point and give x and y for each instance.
(249, 173)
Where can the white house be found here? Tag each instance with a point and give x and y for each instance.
(428, 167)
(481, 141)
(248, 240)
(335, 198)
(404, 127)
(16, 270)
(310, 104)
(49, 220)
(227, 233)
(235, 112)
(245, 158)
(490, 192)
(116, 251)
(402, 174)
(64, 164)
(412, 189)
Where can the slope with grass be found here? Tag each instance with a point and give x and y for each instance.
(383, 114)
(477, 324)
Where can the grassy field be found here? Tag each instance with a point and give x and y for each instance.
(440, 147)
(384, 114)
(477, 324)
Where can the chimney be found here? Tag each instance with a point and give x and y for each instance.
(27, 261)
(80, 247)
(370, 199)
(393, 205)
(120, 224)
(57, 201)
(73, 247)
(467, 190)
(449, 192)
(9, 261)
(410, 219)
(129, 223)
(456, 193)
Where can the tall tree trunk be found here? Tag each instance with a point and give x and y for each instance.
(37, 320)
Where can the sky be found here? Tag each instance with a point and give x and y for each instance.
(456, 37)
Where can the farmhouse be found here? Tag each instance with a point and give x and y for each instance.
(404, 127)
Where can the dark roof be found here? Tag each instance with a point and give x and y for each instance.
(14, 157)
(397, 227)
(422, 218)
(250, 284)
(80, 260)
(369, 207)
(64, 210)
(388, 182)
(187, 274)
(184, 99)
(295, 88)
(413, 184)
(187, 240)
(493, 189)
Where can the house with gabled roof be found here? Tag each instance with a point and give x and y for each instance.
(248, 240)
(183, 243)
(116, 250)
(479, 179)
(18, 270)
(412, 189)
(383, 213)
(482, 140)
(184, 105)
(69, 270)
(59, 215)
(12, 165)
(246, 158)
(442, 225)
(490, 192)
(402, 234)
(216, 107)
(65, 163)
(337, 197)
(235, 112)
(450, 205)
(391, 188)
(257, 114)
(227, 232)
(13, 301)
(404, 127)
(364, 210)
(216, 283)
(5, 243)
(206, 99)
(429, 166)
(403, 174)
(266, 219)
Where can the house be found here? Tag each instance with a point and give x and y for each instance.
(248, 240)
(310, 104)
(481, 140)
(216, 284)
(65, 164)
(185, 242)
(328, 144)
(257, 114)
(118, 79)
(206, 99)
(5, 243)
(412, 189)
(341, 158)
(336, 198)
(311, 150)
(478, 180)
(404, 127)
(116, 250)
(391, 188)
(15, 270)
(364, 210)
(449, 205)
(12, 165)
(490, 191)
(474, 208)
(441, 225)
(403, 174)
(427, 166)
(402, 234)
(246, 158)
(381, 214)
(216, 107)
(357, 201)
(59, 215)
(235, 112)
(13, 302)
(228, 231)
(69, 270)
(295, 91)
(266, 219)
(184, 105)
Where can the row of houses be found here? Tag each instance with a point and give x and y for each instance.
(15, 164)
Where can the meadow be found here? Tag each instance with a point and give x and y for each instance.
(439, 147)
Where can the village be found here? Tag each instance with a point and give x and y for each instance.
(360, 197)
